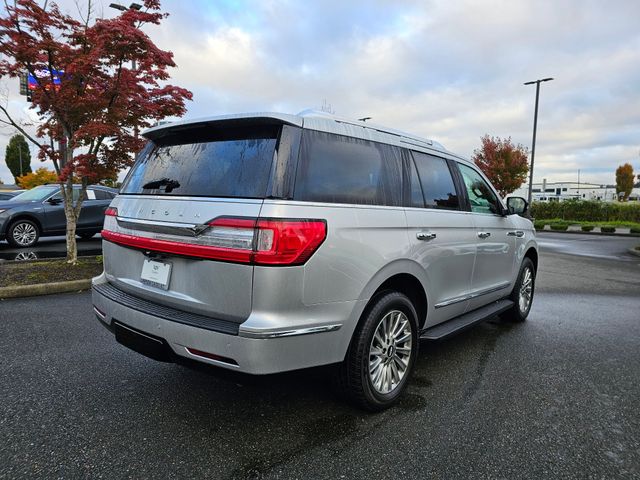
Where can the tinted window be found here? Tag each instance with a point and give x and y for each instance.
(339, 169)
(75, 196)
(416, 199)
(481, 197)
(437, 183)
(234, 165)
(103, 195)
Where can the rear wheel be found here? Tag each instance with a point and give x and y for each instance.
(522, 294)
(23, 233)
(382, 353)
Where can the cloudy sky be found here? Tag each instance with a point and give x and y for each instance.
(448, 70)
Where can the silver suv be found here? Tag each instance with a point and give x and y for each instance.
(268, 242)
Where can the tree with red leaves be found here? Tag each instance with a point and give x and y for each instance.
(104, 79)
(504, 163)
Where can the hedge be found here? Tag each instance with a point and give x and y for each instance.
(587, 210)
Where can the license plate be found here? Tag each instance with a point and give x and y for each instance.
(156, 274)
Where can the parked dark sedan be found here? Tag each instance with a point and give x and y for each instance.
(40, 212)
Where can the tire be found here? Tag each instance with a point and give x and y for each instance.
(382, 386)
(522, 307)
(23, 233)
(86, 235)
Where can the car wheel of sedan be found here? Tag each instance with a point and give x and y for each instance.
(23, 233)
(382, 353)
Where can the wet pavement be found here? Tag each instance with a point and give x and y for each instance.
(555, 397)
(50, 247)
(597, 246)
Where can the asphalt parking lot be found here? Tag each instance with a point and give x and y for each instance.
(555, 397)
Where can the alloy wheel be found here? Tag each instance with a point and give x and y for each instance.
(526, 290)
(390, 352)
(24, 234)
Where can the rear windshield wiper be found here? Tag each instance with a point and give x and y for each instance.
(163, 182)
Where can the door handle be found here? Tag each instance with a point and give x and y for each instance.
(484, 234)
(516, 233)
(425, 236)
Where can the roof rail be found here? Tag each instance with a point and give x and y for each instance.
(407, 138)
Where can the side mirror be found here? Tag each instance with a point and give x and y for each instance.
(516, 206)
(55, 201)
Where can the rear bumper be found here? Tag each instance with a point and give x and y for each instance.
(255, 351)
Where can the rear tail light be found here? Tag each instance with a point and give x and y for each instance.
(240, 240)
(111, 212)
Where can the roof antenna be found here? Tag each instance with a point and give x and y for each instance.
(326, 107)
(364, 119)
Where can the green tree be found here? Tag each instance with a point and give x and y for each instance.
(624, 180)
(17, 152)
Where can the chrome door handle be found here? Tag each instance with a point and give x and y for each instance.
(516, 233)
(425, 236)
(484, 234)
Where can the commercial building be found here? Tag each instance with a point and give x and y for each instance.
(560, 191)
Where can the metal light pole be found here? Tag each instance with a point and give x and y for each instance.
(535, 126)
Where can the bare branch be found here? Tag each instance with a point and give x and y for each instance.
(19, 128)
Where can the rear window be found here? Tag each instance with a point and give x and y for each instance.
(200, 162)
(338, 169)
(437, 183)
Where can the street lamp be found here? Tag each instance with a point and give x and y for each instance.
(535, 126)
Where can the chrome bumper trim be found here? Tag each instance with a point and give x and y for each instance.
(288, 333)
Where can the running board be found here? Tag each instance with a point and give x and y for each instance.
(455, 325)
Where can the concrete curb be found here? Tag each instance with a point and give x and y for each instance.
(635, 252)
(576, 232)
(44, 288)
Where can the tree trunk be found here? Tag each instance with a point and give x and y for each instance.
(72, 220)
(71, 211)
(72, 247)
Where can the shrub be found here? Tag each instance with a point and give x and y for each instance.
(559, 226)
(607, 229)
(635, 230)
(539, 225)
(587, 228)
(588, 210)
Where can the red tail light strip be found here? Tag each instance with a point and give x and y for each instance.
(275, 241)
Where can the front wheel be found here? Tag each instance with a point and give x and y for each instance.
(23, 233)
(522, 294)
(382, 353)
